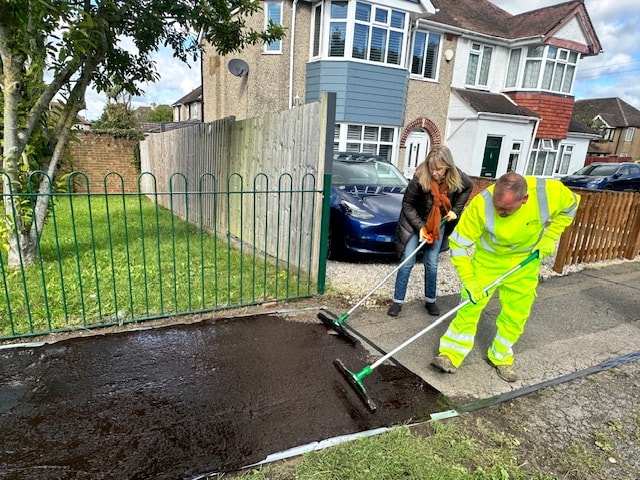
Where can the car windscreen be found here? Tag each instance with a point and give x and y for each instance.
(598, 170)
(379, 174)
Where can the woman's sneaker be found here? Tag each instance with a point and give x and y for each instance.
(394, 309)
(432, 308)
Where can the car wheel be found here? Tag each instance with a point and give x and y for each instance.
(608, 187)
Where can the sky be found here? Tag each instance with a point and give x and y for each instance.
(613, 73)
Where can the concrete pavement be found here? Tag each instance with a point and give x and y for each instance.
(578, 321)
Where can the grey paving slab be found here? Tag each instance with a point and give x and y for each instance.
(578, 321)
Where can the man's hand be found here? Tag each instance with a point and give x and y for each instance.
(546, 247)
(475, 292)
(451, 216)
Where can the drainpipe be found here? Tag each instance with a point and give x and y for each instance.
(293, 36)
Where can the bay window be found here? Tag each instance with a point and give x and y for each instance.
(545, 67)
(362, 31)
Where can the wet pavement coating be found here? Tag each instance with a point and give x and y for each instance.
(184, 400)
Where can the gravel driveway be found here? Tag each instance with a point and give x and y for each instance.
(353, 280)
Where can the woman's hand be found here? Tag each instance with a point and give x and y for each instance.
(451, 216)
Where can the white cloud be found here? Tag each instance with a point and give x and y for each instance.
(176, 80)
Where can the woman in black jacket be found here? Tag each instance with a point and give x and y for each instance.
(438, 190)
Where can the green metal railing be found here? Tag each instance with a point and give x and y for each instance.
(114, 257)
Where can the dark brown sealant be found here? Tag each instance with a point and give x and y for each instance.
(180, 401)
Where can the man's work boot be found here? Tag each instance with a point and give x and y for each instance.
(506, 373)
(443, 363)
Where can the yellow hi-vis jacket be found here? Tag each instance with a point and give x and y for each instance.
(550, 208)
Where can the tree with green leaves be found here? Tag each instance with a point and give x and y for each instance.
(159, 113)
(58, 49)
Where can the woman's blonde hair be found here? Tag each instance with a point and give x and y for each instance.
(439, 156)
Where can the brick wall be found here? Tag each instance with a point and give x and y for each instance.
(100, 155)
(555, 112)
(479, 184)
(607, 159)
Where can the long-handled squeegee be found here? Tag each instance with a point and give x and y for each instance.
(355, 379)
(336, 322)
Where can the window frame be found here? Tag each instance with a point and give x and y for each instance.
(317, 31)
(514, 155)
(542, 67)
(367, 138)
(544, 157)
(628, 136)
(275, 47)
(608, 134)
(427, 51)
(348, 33)
(482, 67)
(565, 155)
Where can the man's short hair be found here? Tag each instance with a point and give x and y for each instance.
(511, 182)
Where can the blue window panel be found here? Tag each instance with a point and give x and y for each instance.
(360, 41)
(395, 48)
(338, 9)
(338, 35)
(381, 15)
(397, 19)
(378, 45)
(363, 12)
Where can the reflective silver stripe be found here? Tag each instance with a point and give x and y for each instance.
(543, 210)
(463, 241)
(458, 252)
(500, 356)
(489, 213)
(543, 201)
(500, 339)
(489, 222)
(574, 208)
(486, 245)
(462, 337)
(456, 347)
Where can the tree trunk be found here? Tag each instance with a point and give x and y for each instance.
(23, 250)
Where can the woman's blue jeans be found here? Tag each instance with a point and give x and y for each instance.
(430, 254)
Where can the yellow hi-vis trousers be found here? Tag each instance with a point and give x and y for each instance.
(517, 293)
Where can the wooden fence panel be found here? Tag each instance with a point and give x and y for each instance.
(606, 227)
(248, 179)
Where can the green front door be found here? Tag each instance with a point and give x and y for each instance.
(491, 156)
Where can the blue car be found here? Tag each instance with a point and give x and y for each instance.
(606, 176)
(366, 198)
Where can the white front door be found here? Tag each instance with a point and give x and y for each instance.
(417, 147)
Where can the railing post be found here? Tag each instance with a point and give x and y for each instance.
(329, 100)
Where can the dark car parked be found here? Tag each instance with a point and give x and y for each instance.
(607, 176)
(366, 198)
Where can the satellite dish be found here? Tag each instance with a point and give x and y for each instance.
(238, 67)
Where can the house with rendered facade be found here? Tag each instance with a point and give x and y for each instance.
(410, 74)
(189, 107)
(618, 126)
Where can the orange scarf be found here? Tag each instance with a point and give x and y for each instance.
(441, 205)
